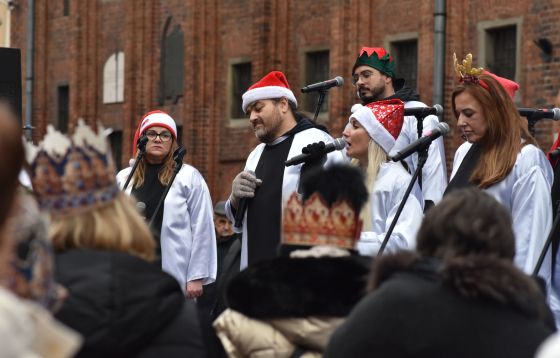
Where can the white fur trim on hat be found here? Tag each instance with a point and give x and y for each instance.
(267, 92)
(159, 119)
(375, 129)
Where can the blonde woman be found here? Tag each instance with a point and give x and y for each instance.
(122, 304)
(370, 135)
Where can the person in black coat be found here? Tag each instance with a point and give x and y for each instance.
(458, 296)
(122, 304)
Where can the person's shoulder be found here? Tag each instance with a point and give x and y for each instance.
(123, 173)
(531, 157)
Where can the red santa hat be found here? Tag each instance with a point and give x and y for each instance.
(510, 86)
(154, 119)
(273, 85)
(383, 120)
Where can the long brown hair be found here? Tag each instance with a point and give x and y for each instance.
(165, 173)
(505, 136)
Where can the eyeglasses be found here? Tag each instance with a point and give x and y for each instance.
(364, 74)
(163, 136)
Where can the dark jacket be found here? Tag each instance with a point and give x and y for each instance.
(126, 307)
(414, 313)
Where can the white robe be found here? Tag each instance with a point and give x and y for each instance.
(188, 238)
(291, 174)
(434, 173)
(525, 193)
(387, 194)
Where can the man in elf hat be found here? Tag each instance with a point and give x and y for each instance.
(374, 76)
(266, 181)
(183, 227)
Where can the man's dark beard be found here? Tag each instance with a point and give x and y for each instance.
(377, 96)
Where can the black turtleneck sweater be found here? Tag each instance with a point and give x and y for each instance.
(150, 193)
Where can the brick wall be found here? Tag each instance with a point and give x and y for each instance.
(273, 34)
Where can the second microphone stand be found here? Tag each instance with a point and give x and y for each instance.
(178, 158)
(422, 157)
(320, 100)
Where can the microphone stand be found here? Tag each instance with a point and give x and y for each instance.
(420, 130)
(422, 157)
(548, 242)
(531, 120)
(141, 151)
(322, 94)
(178, 158)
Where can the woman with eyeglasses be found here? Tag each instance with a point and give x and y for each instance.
(184, 226)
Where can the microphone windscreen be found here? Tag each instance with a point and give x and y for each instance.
(443, 128)
(339, 81)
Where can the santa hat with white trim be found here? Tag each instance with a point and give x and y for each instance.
(273, 85)
(382, 120)
(154, 119)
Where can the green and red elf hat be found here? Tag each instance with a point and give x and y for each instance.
(378, 58)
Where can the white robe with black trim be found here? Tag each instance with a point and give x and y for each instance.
(291, 174)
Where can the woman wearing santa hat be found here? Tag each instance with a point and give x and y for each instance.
(501, 157)
(370, 134)
(185, 225)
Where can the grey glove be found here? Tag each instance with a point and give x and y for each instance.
(243, 186)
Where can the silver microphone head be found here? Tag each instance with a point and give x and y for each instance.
(443, 128)
(141, 207)
(339, 143)
(556, 112)
(439, 109)
(339, 81)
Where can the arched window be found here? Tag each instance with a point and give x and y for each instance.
(113, 78)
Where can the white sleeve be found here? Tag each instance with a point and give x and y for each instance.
(404, 233)
(203, 260)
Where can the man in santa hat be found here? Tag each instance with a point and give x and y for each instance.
(266, 182)
(374, 77)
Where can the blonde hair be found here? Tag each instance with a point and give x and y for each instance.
(165, 173)
(376, 156)
(114, 227)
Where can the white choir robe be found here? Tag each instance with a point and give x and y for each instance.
(525, 193)
(291, 176)
(434, 173)
(188, 237)
(388, 191)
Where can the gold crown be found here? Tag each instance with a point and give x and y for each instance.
(464, 70)
(314, 223)
(71, 174)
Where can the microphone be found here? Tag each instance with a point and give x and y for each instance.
(536, 113)
(141, 207)
(338, 144)
(325, 85)
(240, 213)
(141, 145)
(436, 110)
(178, 155)
(423, 142)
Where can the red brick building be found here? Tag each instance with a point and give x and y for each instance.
(113, 60)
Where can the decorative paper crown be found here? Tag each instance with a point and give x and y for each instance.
(378, 58)
(467, 73)
(314, 223)
(273, 85)
(72, 175)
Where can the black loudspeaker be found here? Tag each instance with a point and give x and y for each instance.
(10, 78)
